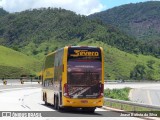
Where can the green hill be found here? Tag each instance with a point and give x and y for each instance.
(37, 31)
(14, 64)
(140, 20)
(122, 65)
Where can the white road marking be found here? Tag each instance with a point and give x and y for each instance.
(149, 98)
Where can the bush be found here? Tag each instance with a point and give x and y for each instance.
(121, 94)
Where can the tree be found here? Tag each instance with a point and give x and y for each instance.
(138, 72)
(150, 64)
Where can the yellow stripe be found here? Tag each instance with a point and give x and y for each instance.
(149, 98)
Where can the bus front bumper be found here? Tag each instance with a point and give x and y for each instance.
(79, 103)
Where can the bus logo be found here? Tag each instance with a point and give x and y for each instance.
(84, 53)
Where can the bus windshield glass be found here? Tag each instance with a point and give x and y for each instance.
(84, 72)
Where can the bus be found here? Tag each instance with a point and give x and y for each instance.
(73, 76)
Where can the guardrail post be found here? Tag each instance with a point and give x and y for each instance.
(121, 107)
(110, 104)
(4, 82)
(39, 82)
(22, 82)
(134, 109)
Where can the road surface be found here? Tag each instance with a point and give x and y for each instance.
(132, 85)
(148, 93)
(29, 99)
(25, 98)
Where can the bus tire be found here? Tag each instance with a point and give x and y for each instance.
(45, 100)
(43, 97)
(55, 102)
(58, 107)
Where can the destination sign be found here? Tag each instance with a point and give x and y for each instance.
(84, 53)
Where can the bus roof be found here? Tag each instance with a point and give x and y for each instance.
(83, 46)
(72, 47)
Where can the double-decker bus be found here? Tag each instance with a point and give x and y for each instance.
(73, 76)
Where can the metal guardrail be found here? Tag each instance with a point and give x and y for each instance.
(18, 81)
(133, 104)
(132, 81)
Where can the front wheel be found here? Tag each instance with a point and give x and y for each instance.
(45, 100)
(55, 102)
(58, 107)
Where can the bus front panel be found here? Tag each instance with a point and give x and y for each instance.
(84, 87)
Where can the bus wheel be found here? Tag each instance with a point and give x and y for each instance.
(55, 102)
(58, 107)
(45, 100)
(43, 97)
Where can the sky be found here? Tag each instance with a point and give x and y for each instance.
(83, 7)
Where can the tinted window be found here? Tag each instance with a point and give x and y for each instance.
(84, 72)
(49, 63)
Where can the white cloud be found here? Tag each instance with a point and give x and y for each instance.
(84, 7)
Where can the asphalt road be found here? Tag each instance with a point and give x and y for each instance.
(29, 99)
(133, 85)
(148, 93)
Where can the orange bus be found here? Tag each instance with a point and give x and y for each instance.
(73, 76)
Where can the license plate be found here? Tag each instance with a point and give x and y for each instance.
(84, 101)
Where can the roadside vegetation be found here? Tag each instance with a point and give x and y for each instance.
(38, 32)
(119, 94)
(33, 32)
(118, 64)
(134, 20)
(127, 66)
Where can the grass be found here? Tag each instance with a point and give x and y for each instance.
(121, 94)
(118, 64)
(13, 63)
(45, 47)
(126, 107)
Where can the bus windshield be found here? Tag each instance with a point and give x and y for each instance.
(84, 73)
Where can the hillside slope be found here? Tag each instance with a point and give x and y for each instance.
(140, 20)
(15, 64)
(122, 65)
(37, 31)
